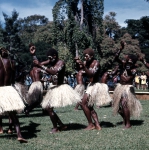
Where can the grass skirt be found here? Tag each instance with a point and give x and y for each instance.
(133, 104)
(35, 93)
(60, 96)
(80, 88)
(10, 100)
(22, 90)
(98, 94)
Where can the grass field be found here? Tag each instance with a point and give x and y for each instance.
(36, 127)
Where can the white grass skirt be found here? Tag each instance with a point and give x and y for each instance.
(35, 93)
(10, 100)
(60, 96)
(80, 88)
(98, 94)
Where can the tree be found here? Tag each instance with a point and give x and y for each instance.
(2, 44)
(109, 47)
(111, 26)
(139, 29)
(81, 29)
(11, 30)
(29, 25)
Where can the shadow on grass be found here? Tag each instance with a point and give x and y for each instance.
(75, 126)
(62, 111)
(41, 114)
(107, 106)
(27, 131)
(136, 122)
(30, 130)
(133, 122)
(104, 124)
(7, 124)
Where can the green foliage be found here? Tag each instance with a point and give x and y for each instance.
(76, 26)
(29, 26)
(139, 30)
(67, 56)
(112, 27)
(109, 47)
(11, 37)
(81, 26)
(2, 44)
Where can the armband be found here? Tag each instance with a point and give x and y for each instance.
(118, 52)
(144, 62)
(35, 58)
(43, 71)
(44, 67)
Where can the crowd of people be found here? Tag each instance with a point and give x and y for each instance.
(83, 88)
(141, 81)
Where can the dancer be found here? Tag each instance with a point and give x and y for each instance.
(80, 87)
(124, 100)
(59, 94)
(34, 95)
(94, 93)
(10, 103)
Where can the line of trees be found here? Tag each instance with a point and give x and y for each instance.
(76, 25)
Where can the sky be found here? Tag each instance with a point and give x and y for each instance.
(125, 9)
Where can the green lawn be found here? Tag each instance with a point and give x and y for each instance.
(36, 127)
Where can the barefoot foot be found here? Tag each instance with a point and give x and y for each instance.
(76, 109)
(1, 132)
(10, 131)
(127, 126)
(90, 127)
(21, 140)
(97, 127)
(54, 130)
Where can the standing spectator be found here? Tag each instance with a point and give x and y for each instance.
(137, 81)
(65, 79)
(143, 81)
(28, 80)
(71, 80)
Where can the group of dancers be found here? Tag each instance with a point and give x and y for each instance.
(16, 98)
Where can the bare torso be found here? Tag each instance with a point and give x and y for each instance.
(6, 72)
(94, 67)
(127, 76)
(57, 77)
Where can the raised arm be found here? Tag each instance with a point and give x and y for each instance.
(145, 63)
(116, 58)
